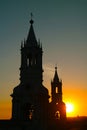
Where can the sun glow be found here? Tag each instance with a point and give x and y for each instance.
(69, 107)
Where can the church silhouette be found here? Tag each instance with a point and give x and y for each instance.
(31, 108)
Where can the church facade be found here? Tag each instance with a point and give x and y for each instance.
(30, 99)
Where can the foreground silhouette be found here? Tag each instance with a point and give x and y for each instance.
(78, 123)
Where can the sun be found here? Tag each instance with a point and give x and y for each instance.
(69, 107)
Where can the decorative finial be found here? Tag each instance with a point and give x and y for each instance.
(31, 21)
(56, 67)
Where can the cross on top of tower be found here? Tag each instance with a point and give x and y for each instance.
(31, 21)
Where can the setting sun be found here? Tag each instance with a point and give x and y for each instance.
(69, 107)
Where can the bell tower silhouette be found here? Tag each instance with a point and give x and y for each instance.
(56, 88)
(31, 60)
(30, 97)
(58, 108)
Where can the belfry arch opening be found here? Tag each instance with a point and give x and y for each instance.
(29, 60)
(56, 89)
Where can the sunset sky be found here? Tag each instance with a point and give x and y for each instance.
(61, 26)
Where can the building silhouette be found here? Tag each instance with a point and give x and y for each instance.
(30, 99)
(57, 106)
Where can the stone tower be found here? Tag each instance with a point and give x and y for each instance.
(58, 108)
(30, 98)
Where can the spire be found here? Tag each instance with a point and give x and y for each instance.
(56, 78)
(31, 38)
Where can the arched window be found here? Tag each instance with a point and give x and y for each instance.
(56, 89)
(57, 115)
(28, 111)
(29, 60)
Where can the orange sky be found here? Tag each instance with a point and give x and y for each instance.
(74, 96)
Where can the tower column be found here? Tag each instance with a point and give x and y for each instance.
(58, 108)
